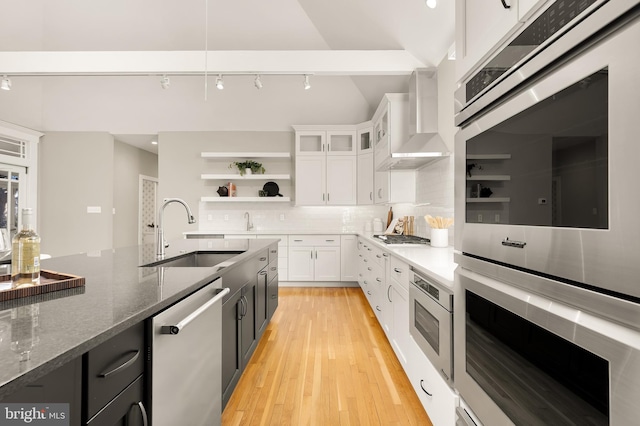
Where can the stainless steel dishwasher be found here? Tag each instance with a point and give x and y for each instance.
(186, 360)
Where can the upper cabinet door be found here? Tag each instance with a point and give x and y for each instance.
(341, 143)
(364, 139)
(311, 180)
(480, 27)
(311, 142)
(341, 181)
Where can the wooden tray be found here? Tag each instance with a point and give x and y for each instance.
(49, 281)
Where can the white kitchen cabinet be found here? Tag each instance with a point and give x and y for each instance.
(311, 181)
(314, 258)
(391, 125)
(364, 138)
(325, 140)
(365, 179)
(348, 258)
(438, 399)
(395, 186)
(326, 166)
(400, 335)
(342, 181)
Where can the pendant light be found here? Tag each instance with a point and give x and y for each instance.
(258, 82)
(165, 82)
(307, 85)
(219, 82)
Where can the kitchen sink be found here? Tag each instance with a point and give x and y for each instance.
(196, 259)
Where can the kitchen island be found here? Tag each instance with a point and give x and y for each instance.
(117, 295)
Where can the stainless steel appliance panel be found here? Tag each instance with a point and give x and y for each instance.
(431, 321)
(604, 258)
(187, 360)
(616, 345)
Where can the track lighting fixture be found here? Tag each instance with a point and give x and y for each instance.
(258, 82)
(165, 82)
(219, 82)
(431, 4)
(307, 85)
(6, 83)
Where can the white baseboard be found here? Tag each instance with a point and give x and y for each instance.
(318, 284)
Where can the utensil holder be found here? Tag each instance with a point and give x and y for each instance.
(439, 237)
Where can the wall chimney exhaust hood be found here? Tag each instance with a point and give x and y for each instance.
(425, 145)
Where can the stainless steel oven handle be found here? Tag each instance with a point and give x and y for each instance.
(511, 243)
(175, 329)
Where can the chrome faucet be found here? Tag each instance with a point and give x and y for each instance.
(249, 225)
(161, 243)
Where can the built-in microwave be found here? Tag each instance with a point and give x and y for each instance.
(546, 180)
(431, 321)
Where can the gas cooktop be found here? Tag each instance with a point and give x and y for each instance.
(402, 239)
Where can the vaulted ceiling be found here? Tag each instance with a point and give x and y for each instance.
(281, 39)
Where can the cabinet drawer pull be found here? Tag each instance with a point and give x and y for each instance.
(368, 292)
(273, 268)
(143, 413)
(371, 195)
(505, 5)
(385, 254)
(399, 271)
(369, 268)
(329, 241)
(378, 256)
(378, 279)
(297, 241)
(274, 296)
(389, 294)
(425, 391)
(262, 273)
(366, 260)
(262, 259)
(368, 248)
(378, 308)
(132, 357)
(274, 251)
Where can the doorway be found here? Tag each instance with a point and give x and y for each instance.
(148, 192)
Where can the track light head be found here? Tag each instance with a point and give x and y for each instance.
(219, 82)
(307, 85)
(258, 82)
(6, 83)
(431, 4)
(165, 82)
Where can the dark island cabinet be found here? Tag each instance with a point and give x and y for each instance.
(245, 315)
(105, 386)
(61, 386)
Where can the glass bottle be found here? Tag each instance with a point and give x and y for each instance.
(25, 255)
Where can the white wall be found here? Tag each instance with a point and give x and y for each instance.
(129, 164)
(76, 171)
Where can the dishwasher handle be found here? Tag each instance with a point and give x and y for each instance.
(175, 329)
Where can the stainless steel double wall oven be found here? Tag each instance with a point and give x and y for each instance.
(547, 302)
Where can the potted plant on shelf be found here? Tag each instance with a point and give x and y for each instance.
(248, 167)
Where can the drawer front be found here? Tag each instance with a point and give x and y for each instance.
(113, 365)
(399, 272)
(128, 408)
(262, 259)
(377, 256)
(272, 270)
(314, 240)
(273, 254)
(272, 297)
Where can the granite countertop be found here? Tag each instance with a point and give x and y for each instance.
(267, 232)
(62, 325)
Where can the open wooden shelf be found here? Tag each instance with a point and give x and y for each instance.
(246, 199)
(246, 155)
(235, 176)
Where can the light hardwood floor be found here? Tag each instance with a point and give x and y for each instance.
(324, 360)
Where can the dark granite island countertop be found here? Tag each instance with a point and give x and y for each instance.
(117, 294)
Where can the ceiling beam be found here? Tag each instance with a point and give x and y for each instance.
(315, 62)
